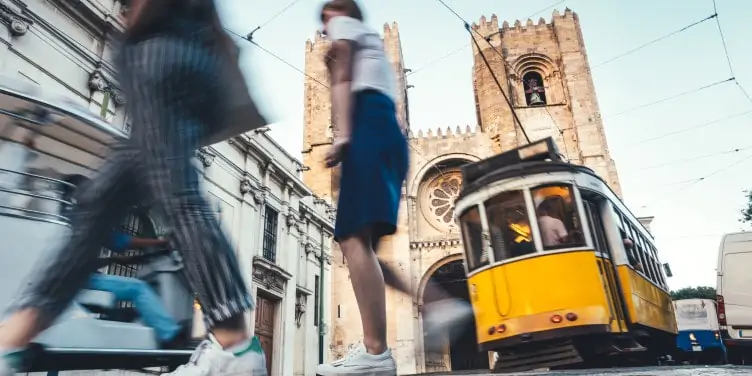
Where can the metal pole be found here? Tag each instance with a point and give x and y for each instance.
(322, 260)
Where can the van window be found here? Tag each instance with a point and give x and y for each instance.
(472, 234)
(558, 218)
(509, 225)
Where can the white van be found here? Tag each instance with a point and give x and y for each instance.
(734, 289)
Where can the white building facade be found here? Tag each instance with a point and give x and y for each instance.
(281, 232)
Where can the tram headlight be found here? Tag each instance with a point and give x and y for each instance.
(692, 337)
(556, 319)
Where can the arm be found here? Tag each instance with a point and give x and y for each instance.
(341, 69)
(344, 32)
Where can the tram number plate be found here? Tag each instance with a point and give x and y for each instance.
(696, 348)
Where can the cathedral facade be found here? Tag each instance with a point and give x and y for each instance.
(544, 71)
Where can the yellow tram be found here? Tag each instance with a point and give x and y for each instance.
(559, 271)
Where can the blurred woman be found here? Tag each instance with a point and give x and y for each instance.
(373, 151)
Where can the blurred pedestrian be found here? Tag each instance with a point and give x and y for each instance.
(171, 64)
(373, 151)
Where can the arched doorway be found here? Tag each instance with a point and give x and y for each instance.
(463, 354)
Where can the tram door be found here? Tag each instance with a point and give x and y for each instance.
(605, 264)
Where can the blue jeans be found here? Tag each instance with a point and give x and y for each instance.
(144, 299)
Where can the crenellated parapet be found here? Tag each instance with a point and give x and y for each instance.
(443, 133)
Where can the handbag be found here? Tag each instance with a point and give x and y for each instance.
(240, 112)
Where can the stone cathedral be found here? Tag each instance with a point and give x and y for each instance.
(544, 70)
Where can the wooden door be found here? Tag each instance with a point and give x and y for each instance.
(265, 315)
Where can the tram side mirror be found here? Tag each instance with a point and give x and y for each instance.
(667, 268)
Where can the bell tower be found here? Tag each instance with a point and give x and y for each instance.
(544, 70)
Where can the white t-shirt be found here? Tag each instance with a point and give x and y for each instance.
(552, 230)
(371, 68)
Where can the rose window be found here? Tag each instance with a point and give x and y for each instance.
(441, 196)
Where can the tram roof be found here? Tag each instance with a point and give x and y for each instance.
(537, 157)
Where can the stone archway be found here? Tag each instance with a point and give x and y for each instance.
(449, 273)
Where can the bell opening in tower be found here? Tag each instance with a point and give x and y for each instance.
(535, 92)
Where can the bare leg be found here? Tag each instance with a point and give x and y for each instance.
(370, 290)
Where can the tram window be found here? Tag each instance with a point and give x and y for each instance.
(509, 225)
(649, 270)
(558, 218)
(472, 233)
(592, 210)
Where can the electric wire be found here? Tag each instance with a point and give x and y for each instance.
(692, 128)
(697, 158)
(692, 182)
(654, 41)
(272, 18)
(645, 105)
(725, 50)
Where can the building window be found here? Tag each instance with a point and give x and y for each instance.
(535, 93)
(316, 302)
(270, 234)
(134, 225)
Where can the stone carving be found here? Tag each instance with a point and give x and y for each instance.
(17, 24)
(300, 309)
(98, 82)
(205, 156)
(248, 186)
(268, 278)
(309, 248)
(291, 220)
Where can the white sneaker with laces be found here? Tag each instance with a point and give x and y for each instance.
(444, 316)
(359, 362)
(210, 359)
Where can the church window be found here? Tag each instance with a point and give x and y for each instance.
(442, 193)
(535, 93)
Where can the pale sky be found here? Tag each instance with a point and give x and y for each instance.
(659, 177)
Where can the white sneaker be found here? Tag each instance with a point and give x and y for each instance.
(445, 316)
(210, 359)
(359, 362)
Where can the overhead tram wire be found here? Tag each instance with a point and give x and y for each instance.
(695, 127)
(725, 50)
(272, 18)
(692, 159)
(671, 97)
(692, 182)
(498, 84)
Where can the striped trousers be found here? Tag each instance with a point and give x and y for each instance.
(172, 89)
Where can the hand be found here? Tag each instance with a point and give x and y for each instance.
(335, 154)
